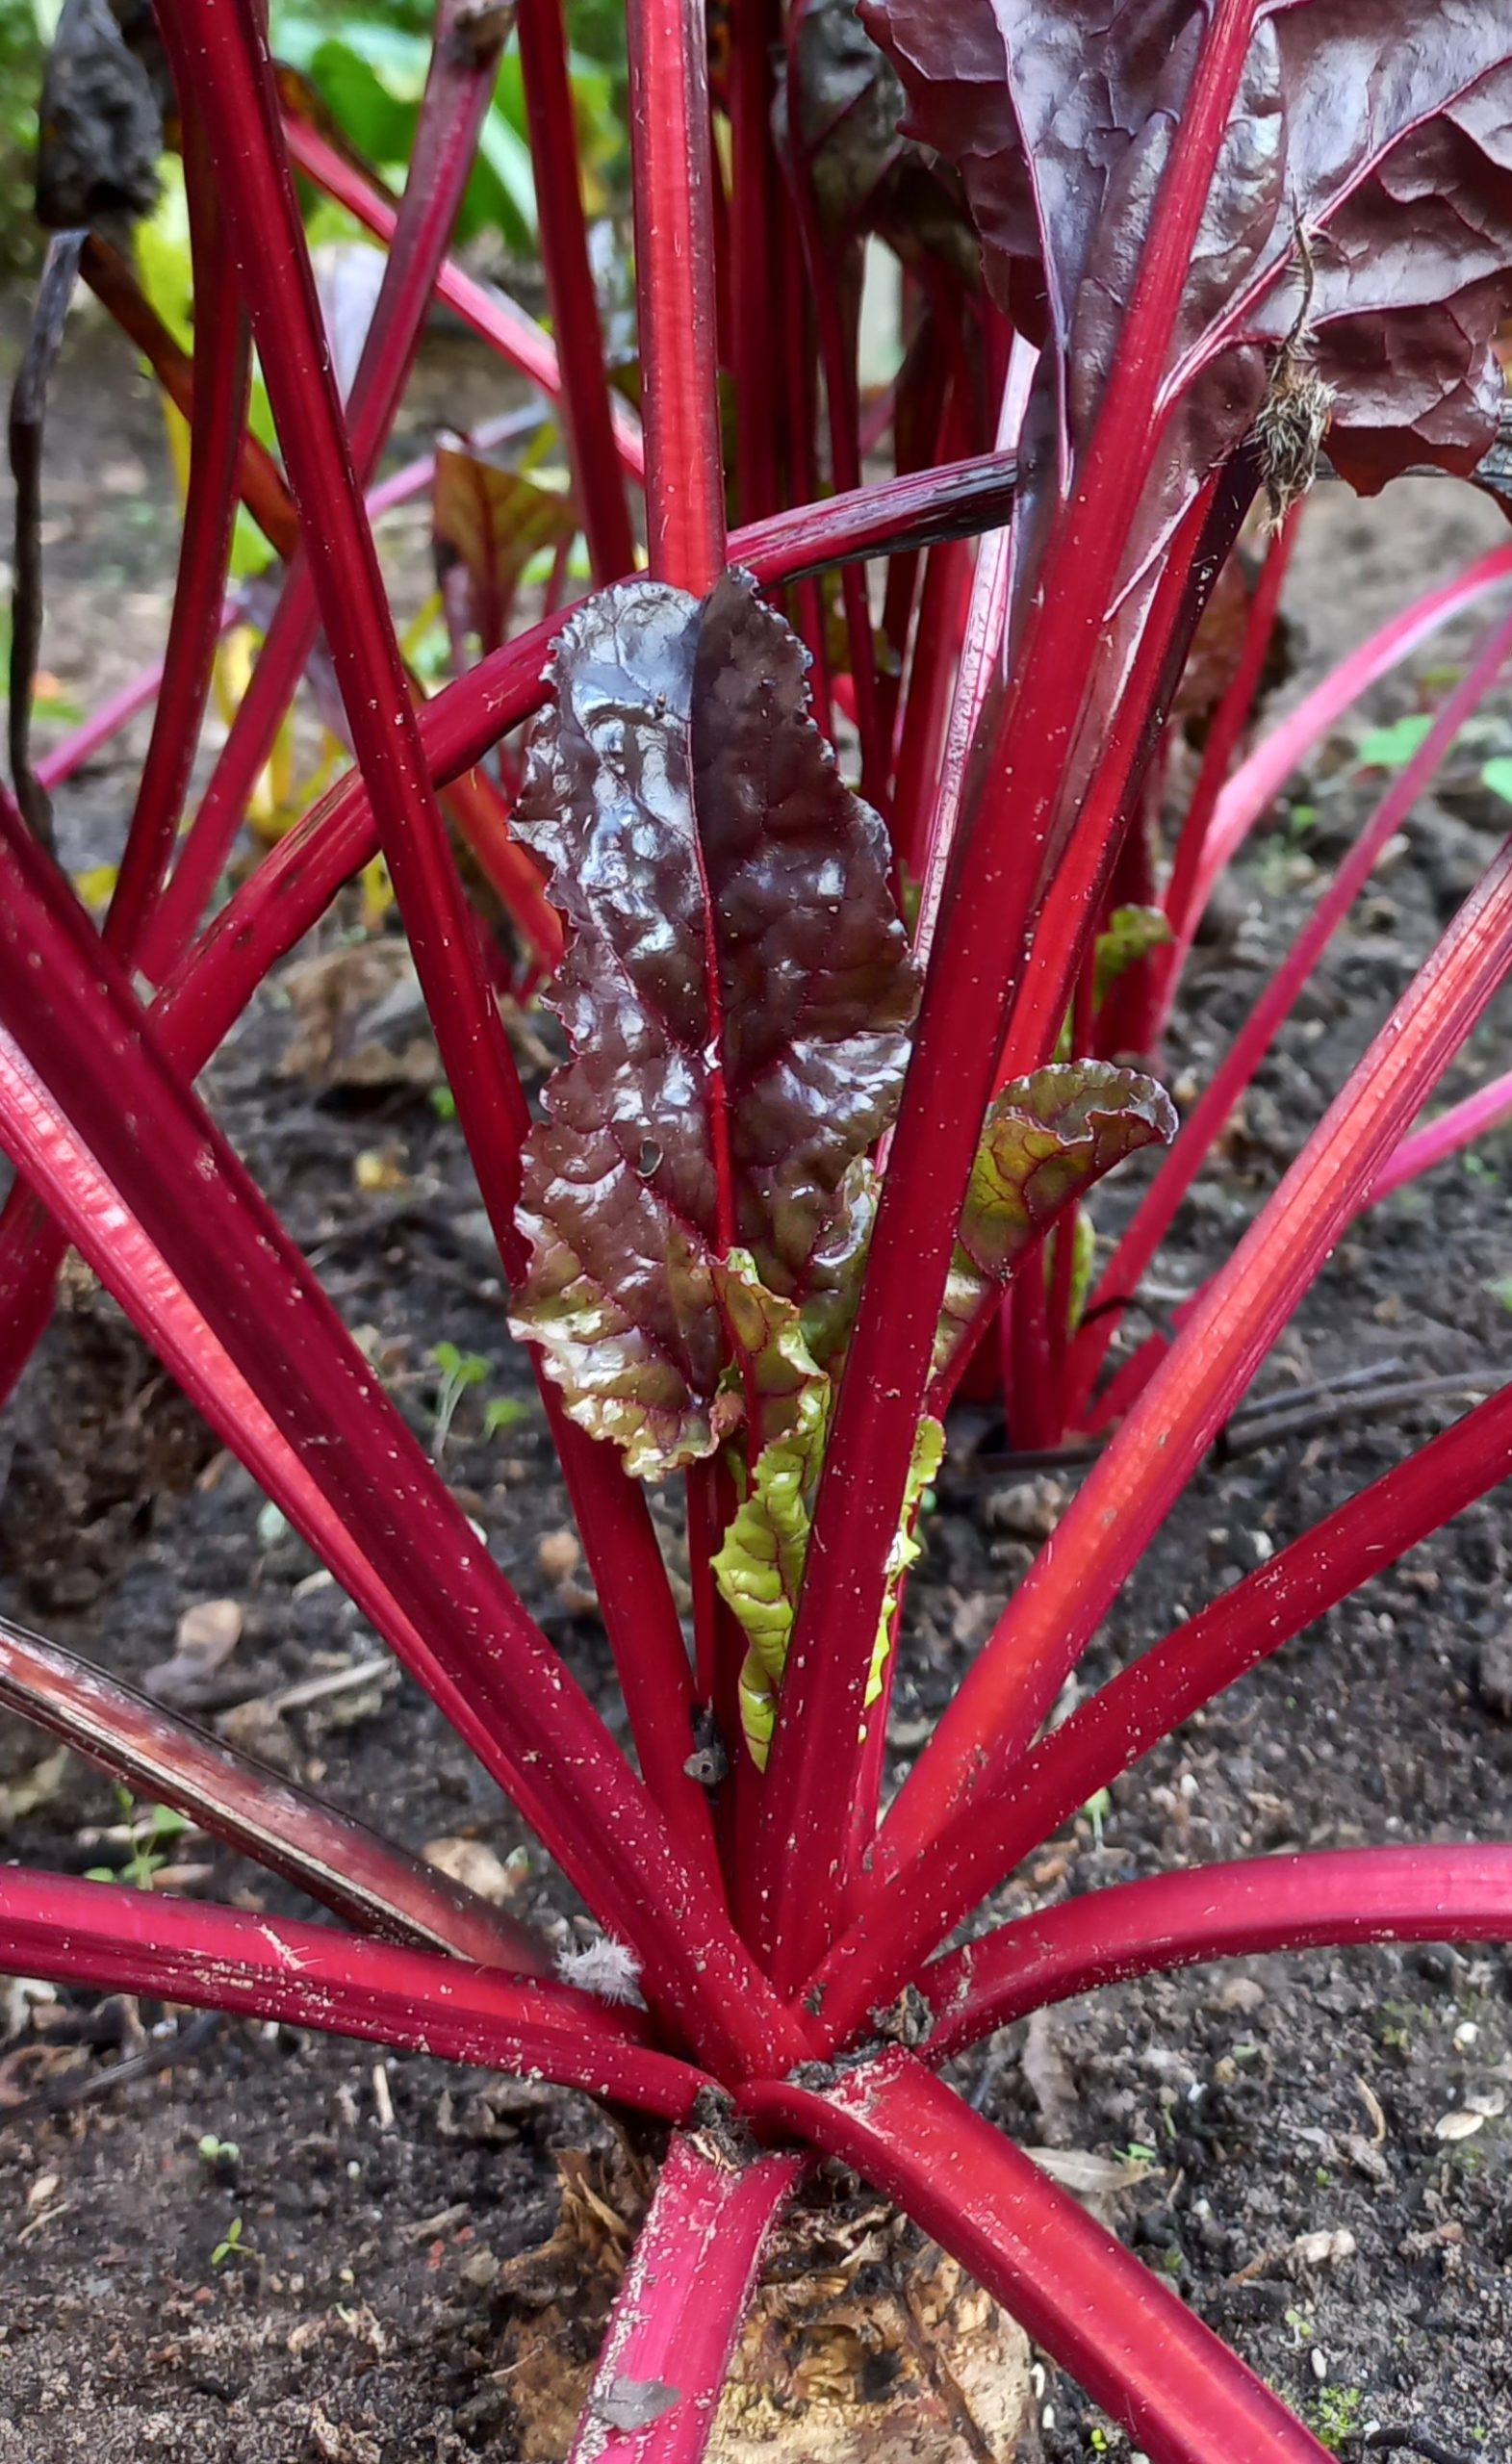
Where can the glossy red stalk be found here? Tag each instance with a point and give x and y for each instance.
(757, 263)
(236, 90)
(1421, 1895)
(222, 368)
(1077, 893)
(683, 2295)
(490, 314)
(1130, 1489)
(814, 1773)
(598, 476)
(115, 1940)
(1120, 1279)
(1224, 735)
(1454, 1129)
(362, 1878)
(981, 652)
(834, 266)
(1123, 2333)
(675, 289)
(80, 1031)
(91, 1212)
(458, 92)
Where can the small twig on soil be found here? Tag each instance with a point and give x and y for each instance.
(1413, 2442)
(320, 1689)
(1296, 1412)
(190, 2037)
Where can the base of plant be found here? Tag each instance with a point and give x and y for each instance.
(864, 2345)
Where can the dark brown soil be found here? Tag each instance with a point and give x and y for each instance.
(358, 2314)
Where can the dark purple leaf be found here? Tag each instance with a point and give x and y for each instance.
(867, 174)
(737, 975)
(1391, 153)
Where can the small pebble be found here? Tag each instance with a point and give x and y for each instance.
(1242, 1993)
(1463, 2124)
(558, 1555)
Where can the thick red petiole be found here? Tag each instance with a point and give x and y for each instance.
(311, 1976)
(358, 1875)
(1430, 1894)
(1122, 2332)
(685, 2295)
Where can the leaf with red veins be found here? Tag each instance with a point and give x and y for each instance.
(737, 992)
(1392, 155)
(487, 523)
(1048, 1138)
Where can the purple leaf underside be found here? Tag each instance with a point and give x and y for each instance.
(1389, 142)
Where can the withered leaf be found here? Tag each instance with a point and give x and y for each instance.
(487, 523)
(736, 979)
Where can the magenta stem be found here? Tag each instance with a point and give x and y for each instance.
(1177, 1678)
(1131, 1488)
(675, 289)
(678, 2310)
(598, 476)
(1456, 1128)
(115, 1940)
(1260, 779)
(362, 1878)
(1229, 722)
(1421, 1895)
(82, 1033)
(1123, 2333)
(222, 366)
(1180, 1166)
(458, 91)
(812, 1778)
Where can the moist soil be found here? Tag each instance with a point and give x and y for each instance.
(277, 2245)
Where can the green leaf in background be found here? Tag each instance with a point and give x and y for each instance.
(164, 272)
(1130, 935)
(1393, 748)
(1496, 775)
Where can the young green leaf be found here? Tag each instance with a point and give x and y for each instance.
(929, 1449)
(1129, 935)
(1047, 1140)
(760, 1567)
(737, 992)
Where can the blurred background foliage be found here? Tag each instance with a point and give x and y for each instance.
(368, 64)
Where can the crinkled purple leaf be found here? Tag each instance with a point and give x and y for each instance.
(1387, 139)
(736, 979)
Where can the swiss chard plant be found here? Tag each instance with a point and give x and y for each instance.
(842, 1060)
